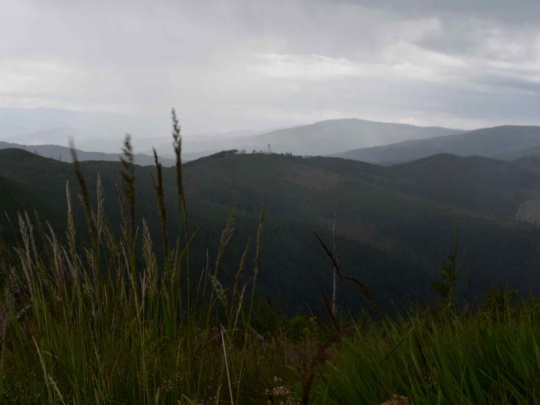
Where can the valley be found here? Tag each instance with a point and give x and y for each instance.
(393, 224)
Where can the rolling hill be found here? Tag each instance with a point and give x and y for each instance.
(484, 186)
(320, 138)
(332, 136)
(393, 224)
(503, 142)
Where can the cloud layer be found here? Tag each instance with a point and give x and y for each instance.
(256, 63)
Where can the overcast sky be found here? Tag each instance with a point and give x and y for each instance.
(239, 64)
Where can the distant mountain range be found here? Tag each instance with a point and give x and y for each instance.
(63, 154)
(322, 138)
(503, 142)
(40, 130)
(99, 132)
(332, 136)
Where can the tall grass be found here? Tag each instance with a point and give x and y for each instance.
(480, 359)
(109, 322)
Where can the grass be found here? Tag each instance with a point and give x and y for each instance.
(485, 358)
(99, 317)
(106, 316)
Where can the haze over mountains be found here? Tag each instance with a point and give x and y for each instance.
(331, 136)
(64, 154)
(100, 136)
(98, 132)
(503, 142)
(90, 130)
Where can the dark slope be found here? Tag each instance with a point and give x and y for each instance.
(15, 198)
(480, 185)
(376, 209)
(19, 195)
(504, 142)
(393, 224)
(529, 210)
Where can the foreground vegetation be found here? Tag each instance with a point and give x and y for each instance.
(393, 224)
(116, 317)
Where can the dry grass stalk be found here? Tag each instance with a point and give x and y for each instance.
(226, 363)
(128, 176)
(329, 310)
(70, 233)
(363, 288)
(162, 210)
(226, 237)
(85, 197)
(260, 230)
(177, 144)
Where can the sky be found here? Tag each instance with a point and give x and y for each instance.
(253, 64)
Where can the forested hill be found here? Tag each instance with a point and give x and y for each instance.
(504, 142)
(393, 224)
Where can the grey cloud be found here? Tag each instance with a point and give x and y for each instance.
(482, 39)
(507, 84)
(515, 12)
(459, 60)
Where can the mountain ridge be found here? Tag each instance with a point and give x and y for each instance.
(321, 137)
(64, 154)
(90, 130)
(391, 222)
(504, 142)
